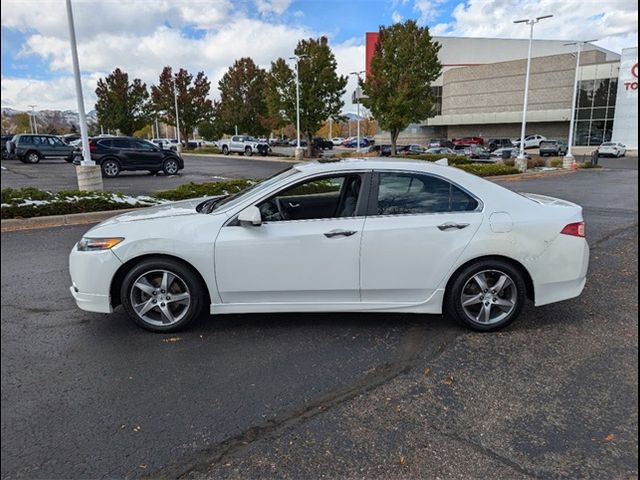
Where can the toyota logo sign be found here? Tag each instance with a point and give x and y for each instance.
(633, 85)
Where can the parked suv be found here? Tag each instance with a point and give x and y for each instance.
(115, 154)
(322, 144)
(555, 148)
(496, 143)
(440, 143)
(30, 148)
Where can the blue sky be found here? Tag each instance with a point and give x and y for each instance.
(141, 36)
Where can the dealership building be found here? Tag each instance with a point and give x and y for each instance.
(481, 91)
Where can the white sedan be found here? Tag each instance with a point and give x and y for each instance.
(355, 235)
(613, 149)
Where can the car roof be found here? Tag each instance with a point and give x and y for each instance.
(373, 163)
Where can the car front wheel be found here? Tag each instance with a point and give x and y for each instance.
(170, 167)
(162, 295)
(487, 295)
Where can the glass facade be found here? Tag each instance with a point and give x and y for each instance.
(595, 110)
(436, 93)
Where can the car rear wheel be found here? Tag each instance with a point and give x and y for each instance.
(248, 152)
(162, 295)
(487, 295)
(170, 166)
(110, 168)
(32, 157)
(225, 150)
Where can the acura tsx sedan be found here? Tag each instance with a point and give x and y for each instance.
(355, 235)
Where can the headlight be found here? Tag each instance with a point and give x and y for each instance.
(90, 244)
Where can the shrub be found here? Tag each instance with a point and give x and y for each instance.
(588, 164)
(430, 157)
(488, 169)
(555, 163)
(210, 149)
(195, 190)
(536, 162)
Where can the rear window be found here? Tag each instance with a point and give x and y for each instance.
(548, 143)
(408, 193)
(120, 143)
(608, 144)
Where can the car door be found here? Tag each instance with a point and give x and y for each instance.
(417, 227)
(147, 155)
(306, 250)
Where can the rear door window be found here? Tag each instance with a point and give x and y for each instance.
(120, 143)
(416, 193)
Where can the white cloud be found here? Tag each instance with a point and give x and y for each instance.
(277, 7)
(427, 10)
(54, 94)
(396, 17)
(144, 51)
(611, 21)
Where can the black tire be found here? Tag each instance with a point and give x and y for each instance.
(32, 157)
(491, 269)
(110, 168)
(225, 150)
(248, 152)
(69, 159)
(183, 274)
(170, 166)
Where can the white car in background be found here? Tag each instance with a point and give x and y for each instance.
(530, 141)
(337, 141)
(347, 236)
(612, 149)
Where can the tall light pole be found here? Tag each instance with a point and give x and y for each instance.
(521, 161)
(34, 128)
(89, 174)
(569, 159)
(357, 74)
(175, 101)
(297, 58)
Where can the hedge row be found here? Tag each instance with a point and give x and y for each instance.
(488, 169)
(207, 189)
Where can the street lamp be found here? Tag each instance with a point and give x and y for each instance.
(297, 58)
(34, 126)
(357, 74)
(569, 159)
(175, 100)
(89, 174)
(522, 160)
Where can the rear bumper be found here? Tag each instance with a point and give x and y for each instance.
(561, 273)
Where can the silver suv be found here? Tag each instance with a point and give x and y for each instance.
(31, 148)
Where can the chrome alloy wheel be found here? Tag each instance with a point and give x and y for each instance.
(171, 167)
(160, 298)
(489, 297)
(111, 169)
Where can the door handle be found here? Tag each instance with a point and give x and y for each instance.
(452, 226)
(338, 233)
(294, 205)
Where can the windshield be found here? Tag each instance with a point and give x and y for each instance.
(250, 139)
(214, 204)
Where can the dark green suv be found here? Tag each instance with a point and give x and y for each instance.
(31, 148)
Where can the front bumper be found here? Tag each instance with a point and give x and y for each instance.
(91, 276)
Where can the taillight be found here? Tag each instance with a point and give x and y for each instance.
(92, 146)
(574, 229)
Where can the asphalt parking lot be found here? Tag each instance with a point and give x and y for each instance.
(334, 395)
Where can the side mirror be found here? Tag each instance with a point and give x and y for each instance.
(250, 217)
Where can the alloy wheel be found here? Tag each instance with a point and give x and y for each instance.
(171, 167)
(489, 297)
(111, 169)
(160, 298)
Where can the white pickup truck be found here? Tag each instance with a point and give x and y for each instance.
(244, 145)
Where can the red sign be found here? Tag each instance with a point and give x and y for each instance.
(632, 85)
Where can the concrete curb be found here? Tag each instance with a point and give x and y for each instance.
(15, 224)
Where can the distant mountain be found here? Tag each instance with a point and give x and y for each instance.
(48, 121)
